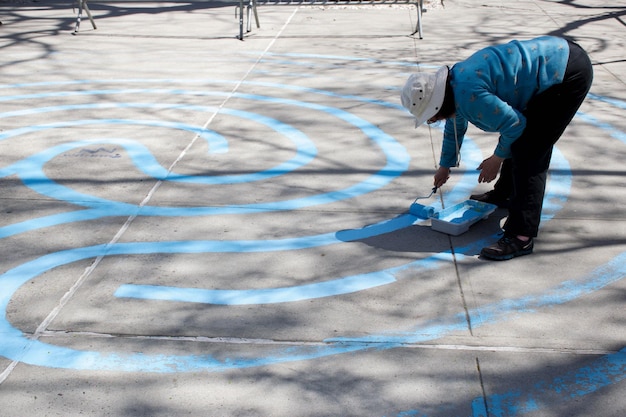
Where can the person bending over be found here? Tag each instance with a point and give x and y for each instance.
(528, 91)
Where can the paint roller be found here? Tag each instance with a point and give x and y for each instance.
(421, 211)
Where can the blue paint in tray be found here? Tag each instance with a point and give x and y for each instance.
(458, 218)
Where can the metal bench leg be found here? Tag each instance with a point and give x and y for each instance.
(418, 28)
(82, 4)
(251, 8)
(240, 10)
(256, 15)
(248, 14)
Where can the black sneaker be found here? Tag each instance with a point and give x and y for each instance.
(506, 248)
(492, 198)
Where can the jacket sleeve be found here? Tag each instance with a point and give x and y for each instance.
(451, 141)
(489, 113)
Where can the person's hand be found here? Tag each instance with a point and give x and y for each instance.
(441, 176)
(489, 168)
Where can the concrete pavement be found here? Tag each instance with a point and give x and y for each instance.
(198, 225)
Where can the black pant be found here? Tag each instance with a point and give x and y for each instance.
(523, 176)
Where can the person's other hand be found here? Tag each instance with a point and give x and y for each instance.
(489, 168)
(441, 176)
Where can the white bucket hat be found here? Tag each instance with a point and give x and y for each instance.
(423, 94)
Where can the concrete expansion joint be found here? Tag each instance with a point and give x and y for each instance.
(373, 344)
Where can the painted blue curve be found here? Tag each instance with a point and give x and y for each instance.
(288, 244)
(574, 384)
(612, 131)
(87, 360)
(17, 347)
(556, 195)
(395, 153)
(600, 373)
(305, 148)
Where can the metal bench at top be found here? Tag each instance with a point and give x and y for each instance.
(251, 7)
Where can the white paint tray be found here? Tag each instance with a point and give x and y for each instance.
(458, 218)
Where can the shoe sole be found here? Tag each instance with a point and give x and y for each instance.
(506, 257)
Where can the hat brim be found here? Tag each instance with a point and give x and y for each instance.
(436, 100)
